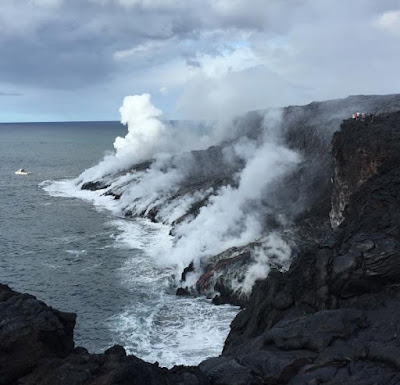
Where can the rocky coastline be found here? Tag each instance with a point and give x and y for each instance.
(332, 318)
(303, 196)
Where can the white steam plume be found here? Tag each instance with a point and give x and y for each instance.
(234, 216)
(144, 128)
(143, 140)
(147, 137)
(273, 250)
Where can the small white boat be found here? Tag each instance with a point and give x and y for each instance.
(21, 171)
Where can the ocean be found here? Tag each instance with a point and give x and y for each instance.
(77, 256)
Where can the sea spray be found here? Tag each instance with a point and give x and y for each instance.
(153, 323)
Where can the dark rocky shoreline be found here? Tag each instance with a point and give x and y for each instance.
(303, 197)
(37, 347)
(332, 318)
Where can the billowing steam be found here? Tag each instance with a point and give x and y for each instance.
(148, 137)
(145, 130)
(273, 250)
(230, 215)
(234, 216)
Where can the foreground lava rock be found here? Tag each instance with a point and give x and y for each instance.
(37, 347)
(30, 331)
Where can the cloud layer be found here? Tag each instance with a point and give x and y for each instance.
(78, 59)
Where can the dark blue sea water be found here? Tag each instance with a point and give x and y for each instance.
(78, 257)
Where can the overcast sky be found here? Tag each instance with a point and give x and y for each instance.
(77, 59)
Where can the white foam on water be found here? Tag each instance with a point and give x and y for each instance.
(76, 252)
(52, 266)
(140, 233)
(173, 330)
(67, 188)
(163, 327)
(156, 325)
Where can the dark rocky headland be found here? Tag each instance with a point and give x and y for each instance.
(332, 318)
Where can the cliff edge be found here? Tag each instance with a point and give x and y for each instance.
(333, 318)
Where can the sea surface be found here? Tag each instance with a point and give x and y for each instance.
(78, 257)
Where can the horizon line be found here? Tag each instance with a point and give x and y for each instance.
(63, 121)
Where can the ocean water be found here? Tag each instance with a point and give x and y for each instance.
(77, 256)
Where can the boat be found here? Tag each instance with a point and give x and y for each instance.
(21, 171)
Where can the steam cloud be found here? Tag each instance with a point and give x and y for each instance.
(148, 138)
(144, 128)
(273, 247)
(234, 217)
(234, 214)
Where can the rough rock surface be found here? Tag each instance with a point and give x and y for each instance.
(307, 196)
(30, 331)
(338, 306)
(37, 348)
(358, 157)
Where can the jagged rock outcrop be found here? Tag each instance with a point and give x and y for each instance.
(307, 196)
(29, 332)
(358, 157)
(37, 348)
(338, 306)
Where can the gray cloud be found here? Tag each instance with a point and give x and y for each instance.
(203, 52)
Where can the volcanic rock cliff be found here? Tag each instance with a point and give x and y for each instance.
(302, 197)
(332, 318)
(315, 194)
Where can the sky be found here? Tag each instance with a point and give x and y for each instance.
(66, 60)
